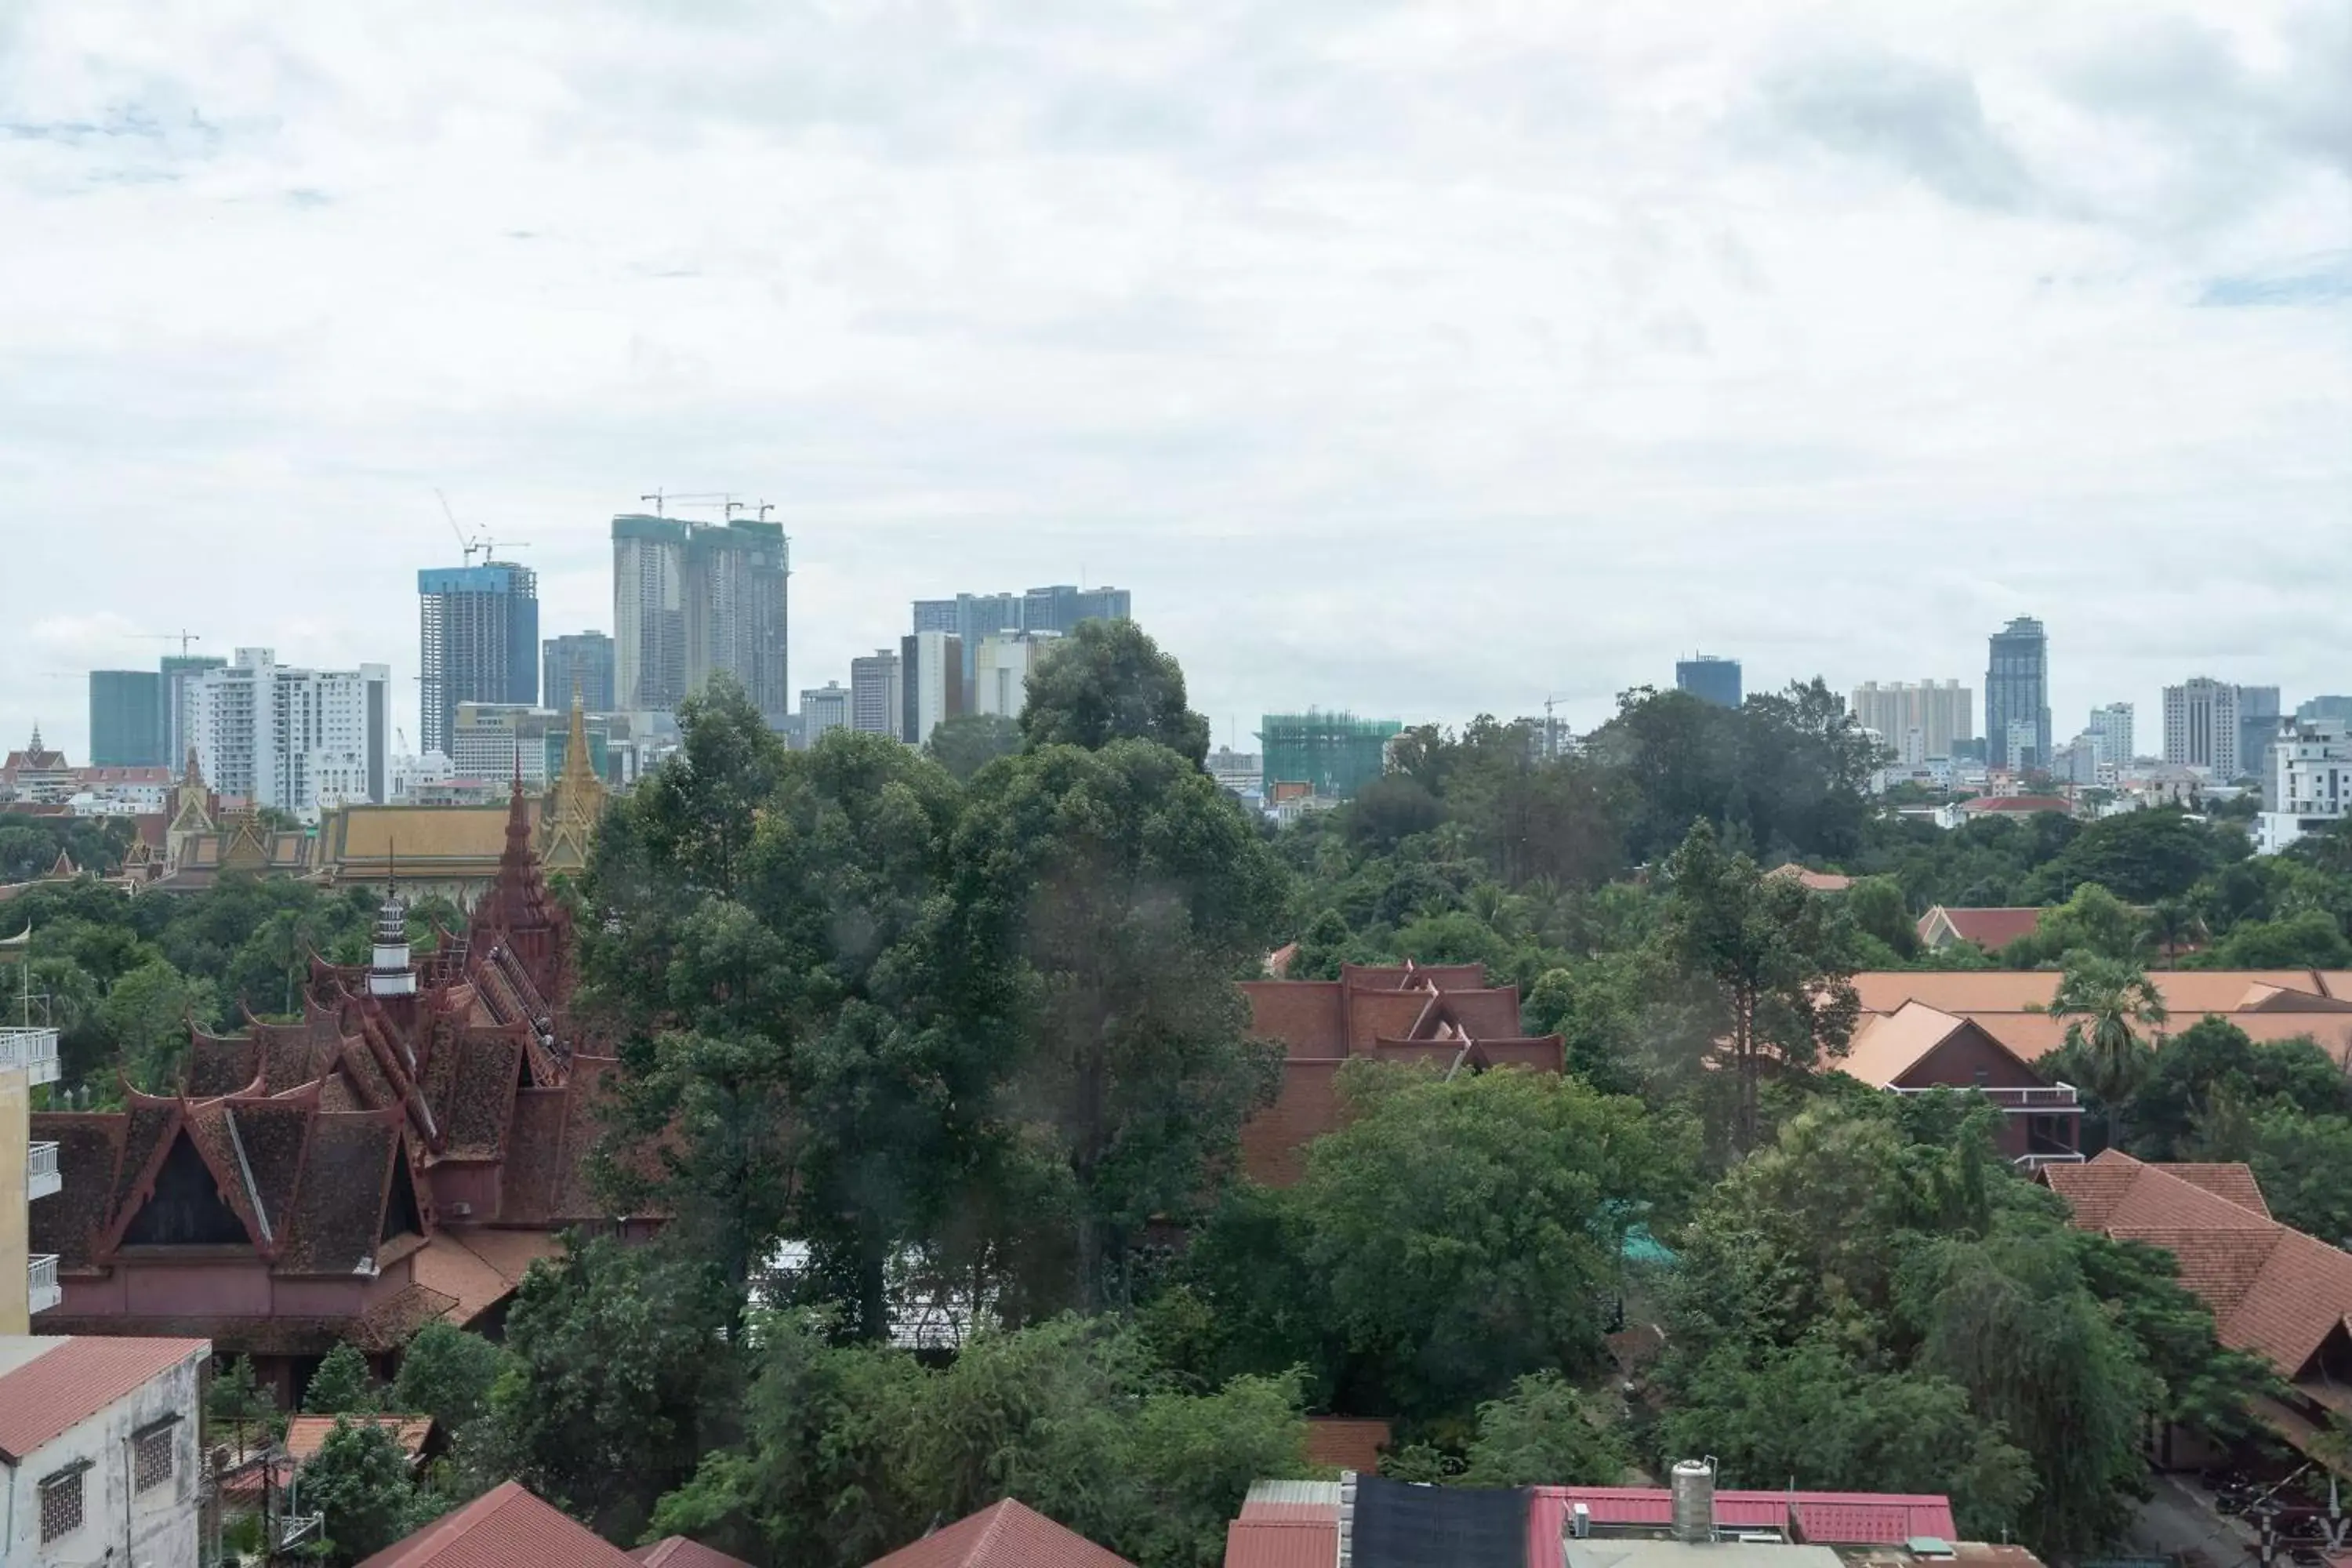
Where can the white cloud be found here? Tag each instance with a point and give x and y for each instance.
(1419, 357)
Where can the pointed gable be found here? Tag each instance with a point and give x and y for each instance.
(184, 1206)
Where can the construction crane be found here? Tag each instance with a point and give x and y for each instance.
(184, 637)
(481, 543)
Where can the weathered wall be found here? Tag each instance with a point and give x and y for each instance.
(157, 1526)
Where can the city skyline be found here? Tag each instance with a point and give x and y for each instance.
(1828, 339)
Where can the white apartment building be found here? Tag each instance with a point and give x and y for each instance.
(1917, 720)
(295, 739)
(2310, 787)
(98, 1450)
(931, 683)
(2111, 726)
(1001, 671)
(877, 688)
(1242, 773)
(2201, 727)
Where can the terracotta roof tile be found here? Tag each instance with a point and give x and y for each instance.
(506, 1527)
(90, 1147)
(1991, 930)
(2233, 1180)
(1345, 1443)
(340, 1208)
(1282, 1543)
(304, 1434)
(1003, 1535)
(1888, 1044)
(677, 1551)
(61, 1387)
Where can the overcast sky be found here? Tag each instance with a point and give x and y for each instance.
(1424, 359)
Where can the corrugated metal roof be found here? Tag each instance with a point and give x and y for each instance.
(60, 1388)
(1325, 1492)
(1282, 1543)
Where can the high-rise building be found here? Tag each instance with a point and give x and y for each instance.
(300, 740)
(1001, 673)
(2017, 691)
(876, 684)
(179, 671)
(2309, 786)
(1057, 609)
(1709, 679)
(2200, 726)
(824, 708)
(2111, 728)
(578, 662)
(1936, 713)
(2258, 726)
(1334, 755)
(648, 613)
(126, 718)
(691, 600)
(480, 641)
(2336, 708)
(930, 691)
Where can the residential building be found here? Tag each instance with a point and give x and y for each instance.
(29, 1169)
(1936, 713)
(97, 1450)
(479, 642)
(1058, 609)
(2111, 726)
(2201, 727)
(876, 687)
(179, 674)
(300, 739)
(824, 708)
(2336, 708)
(932, 685)
(409, 774)
(2083, 763)
(126, 718)
(1711, 678)
(1005, 1534)
(1242, 773)
(1917, 1049)
(1334, 755)
(1001, 673)
(2017, 692)
(579, 662)
(648, 613)
(401, 1154)
(2309, 786)
(37, 775)
(1440, 1013)
(2259, 721)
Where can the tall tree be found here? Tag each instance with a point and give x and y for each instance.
(2107, 1001)
(446, 1373)
(1124, 893)
(1107, 681)
(1764, 949)
(342, 1385)
(359, 1481)
(970, 741)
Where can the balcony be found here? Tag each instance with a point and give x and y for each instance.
(2035, 1099)
(2028, 1163)
(31, 1051)
(41, 1291)
(41, 1176)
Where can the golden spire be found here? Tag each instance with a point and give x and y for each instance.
(576, 800)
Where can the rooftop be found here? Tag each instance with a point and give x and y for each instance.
(49, 1385)
(506, 1527)
(1006, 1535)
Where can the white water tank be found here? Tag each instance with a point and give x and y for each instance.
(1693, 1500)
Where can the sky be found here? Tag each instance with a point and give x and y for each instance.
(1418, 359)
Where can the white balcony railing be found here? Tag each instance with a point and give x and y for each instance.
(41, 1292)
(31, 1051)
(2028, 1163)
(2054, 1099)
(41, 1176)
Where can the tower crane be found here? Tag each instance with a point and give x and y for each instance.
(184, 637)
(481, 543)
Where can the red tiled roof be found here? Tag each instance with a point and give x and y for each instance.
(304, 1434)
(1282, 1542)
(60, 1389)
(1991, 930)
(1003, 1535)
(2024, 805)
(1345, 1443)
(506, 1527)
(677, 1551)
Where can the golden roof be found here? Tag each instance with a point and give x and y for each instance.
(420, 835)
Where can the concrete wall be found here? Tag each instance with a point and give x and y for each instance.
(15, 1135)
(155, 1527)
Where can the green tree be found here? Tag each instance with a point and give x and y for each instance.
(1467, 1231)
(1107, 681)
(2107, 1001)
(1124, 893)
(2307, 939)
(2213, 1059)
(446, 1373)
(148, 1012)
(1877, 907)
(359, 1481)
(619, 1372)
(1543, 1432)
(342, 1385)
(2141, 856)
(2304, 1165)
(239, 1409)
(2092, 920)
(1763, 948)
(970, 741)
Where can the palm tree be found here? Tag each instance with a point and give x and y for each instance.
(2174, 926)
(2105, 998)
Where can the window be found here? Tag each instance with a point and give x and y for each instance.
(150, 1454)
(61, 1503)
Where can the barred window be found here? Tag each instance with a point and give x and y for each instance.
(61, 1504)
(150, 1458)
